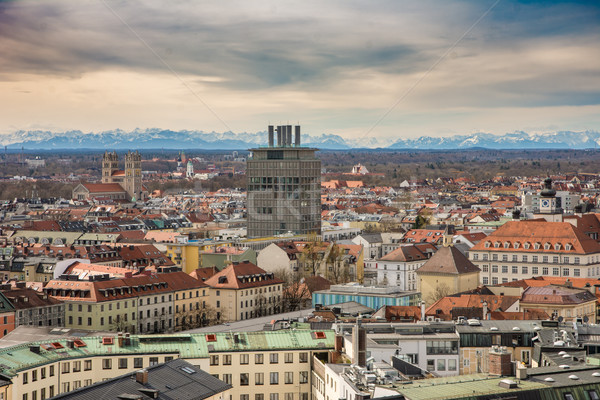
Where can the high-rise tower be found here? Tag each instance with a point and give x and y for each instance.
(284, 186)
(133, 175)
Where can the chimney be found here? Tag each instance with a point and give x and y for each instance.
(120, 339)
(359, 345)
(288, 141)
(279, 136)
(297, 136)
(339, 342)
(271, 136)
(141, 376)
(485, 310)
(500, 362)
(423, 317)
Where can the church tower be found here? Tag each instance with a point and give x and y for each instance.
(110, 164)
(133, 175)
(550, 205)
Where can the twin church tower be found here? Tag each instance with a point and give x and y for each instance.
(130, 178)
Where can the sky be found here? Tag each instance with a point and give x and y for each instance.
(360, 69)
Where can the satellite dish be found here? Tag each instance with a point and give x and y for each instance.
(560, 319)
(586, 319)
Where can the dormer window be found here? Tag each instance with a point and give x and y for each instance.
(496, 244)
(568, 246)
(526, 245)
(536, 246)
(506, 245)
(516, 245)
(557, 246)
(547, 246)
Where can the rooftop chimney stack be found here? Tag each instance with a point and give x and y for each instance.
(271, 136)
(279, 136)
(288, 141)
(141, 376)
(297, 138)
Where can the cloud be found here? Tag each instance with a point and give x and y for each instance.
(336, 63)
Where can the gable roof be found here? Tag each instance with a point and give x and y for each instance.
(448, 260)
(241, 276)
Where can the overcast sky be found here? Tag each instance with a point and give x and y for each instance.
(372, 69)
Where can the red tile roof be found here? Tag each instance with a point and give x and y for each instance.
(242, 276)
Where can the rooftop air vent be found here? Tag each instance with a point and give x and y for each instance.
(574, 377)
(548, 379)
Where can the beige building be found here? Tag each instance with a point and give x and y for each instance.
(267, 364)
(447, 272)
(243, 291)
(560, 301)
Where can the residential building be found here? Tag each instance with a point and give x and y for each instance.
(567, 303)
(32, 307)
(7, 317)
(284, 187)
(370, 296)
(398, 268)
(272, 365)
(243, 291)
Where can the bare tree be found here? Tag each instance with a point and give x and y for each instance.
(337, 269)
(201, 316)
(311, 256)
(295, 291)
(442, 290)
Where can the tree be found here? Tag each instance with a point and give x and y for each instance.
(311, 256)
(337, 269)
(120, 324)
(201, 316)
(295, 292)
(442, 290)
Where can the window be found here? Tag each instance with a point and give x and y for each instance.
(34, 375)
(227, 378)
(259, 358)
(51, 370)
(66, 368)
(303, 376)
(545, 259)
(534, 270)
(138, 362)
(524, 258)
(576, 272)
(534, 258)
(451, 364)
(485, 268)
(106, 363)
(524, 270)
(259, 396)
(244, 397)
(25, 378)
(593, 395)
(122, 363)
(485, 280)
(515, 270)
(565, 271)
(274, 358)
(441, 364)
(244, 359)
(227, 359)
(214, 360)
(545, 271)
(43, 373)
(430, 365)
(494, 280)
(494, 269)
(505, 269)
(577, 260)
(76, 366)
(274, 378)
(289, 377)
(244, 379)
(259, 378)
(504, 257)
(304, 357)
(289, 357)
(274, 396)
(485, 257)
(289, 396)
(555, 271)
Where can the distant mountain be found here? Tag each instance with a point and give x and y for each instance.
(175, 140)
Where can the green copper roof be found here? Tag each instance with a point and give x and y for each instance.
(17, 358)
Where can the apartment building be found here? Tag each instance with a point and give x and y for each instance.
(243, 291)
(398, 268)
(522, 249)
(259, 365)
(142, 304)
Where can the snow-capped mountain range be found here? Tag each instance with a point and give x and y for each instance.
(176, 140)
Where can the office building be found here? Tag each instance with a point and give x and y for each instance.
(284, 186)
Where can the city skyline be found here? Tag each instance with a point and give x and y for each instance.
(356, 70)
